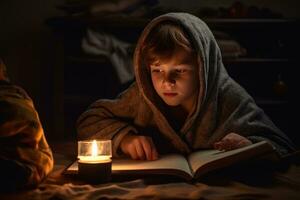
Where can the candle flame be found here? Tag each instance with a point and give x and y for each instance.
(94, 148)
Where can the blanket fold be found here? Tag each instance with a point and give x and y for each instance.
(24, 152)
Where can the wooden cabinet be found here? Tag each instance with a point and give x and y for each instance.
(268, 70)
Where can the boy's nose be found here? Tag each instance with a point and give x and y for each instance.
(169, 80)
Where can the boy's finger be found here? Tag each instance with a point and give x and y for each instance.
(243, 143)
(230, 136)
(231, 143)
(217, 145)
(223, 145)
(132, 152)
(147, 148)
(228, 145)
(154, 155)
(139, 150)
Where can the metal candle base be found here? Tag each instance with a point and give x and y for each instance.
(95, 172)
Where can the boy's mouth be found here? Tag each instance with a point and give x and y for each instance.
(169, 94)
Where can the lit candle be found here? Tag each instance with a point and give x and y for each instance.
(95, 156)
(94, 160)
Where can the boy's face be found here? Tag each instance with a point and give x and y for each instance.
(176, 79)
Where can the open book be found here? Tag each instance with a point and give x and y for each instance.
(190, 167)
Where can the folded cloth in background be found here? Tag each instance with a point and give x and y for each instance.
(117, 51)
(229, 47)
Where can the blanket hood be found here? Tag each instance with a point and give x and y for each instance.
(223, 106)
(206, 49)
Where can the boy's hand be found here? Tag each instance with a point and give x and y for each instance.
(232, 141)
(139, 147)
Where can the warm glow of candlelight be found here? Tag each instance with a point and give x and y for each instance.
(94, 149)
(94, 159)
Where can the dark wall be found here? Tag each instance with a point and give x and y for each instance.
(288, 8)
(26, 46)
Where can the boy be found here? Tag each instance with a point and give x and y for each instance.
(182, 100)
(25, 157)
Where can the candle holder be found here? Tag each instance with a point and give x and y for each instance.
(94, 160)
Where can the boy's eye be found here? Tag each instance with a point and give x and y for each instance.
(180, 70)
(156, 70)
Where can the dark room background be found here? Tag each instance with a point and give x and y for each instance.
(41, 44)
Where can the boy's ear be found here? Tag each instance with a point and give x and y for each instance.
(3, 73)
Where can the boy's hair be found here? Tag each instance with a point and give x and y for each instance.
(163, 41)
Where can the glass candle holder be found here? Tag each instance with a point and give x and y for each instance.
(94, 160)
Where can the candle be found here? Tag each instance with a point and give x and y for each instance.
(94, 160)
(88, 151)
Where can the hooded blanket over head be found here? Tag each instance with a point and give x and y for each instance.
(223, 106)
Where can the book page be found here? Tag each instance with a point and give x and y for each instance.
(72, 169)
(225, 158)
(172, 161)
(166, 164)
